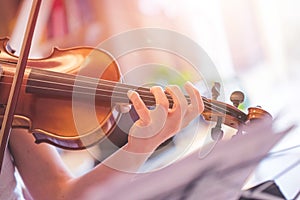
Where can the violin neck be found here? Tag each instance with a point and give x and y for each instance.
(45, 82)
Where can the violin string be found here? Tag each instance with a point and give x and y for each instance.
(122, 98)
(105, 83)
(119, 96)
(90, 79)
(93, 89)
(207, 104)
(141, 90)
(108, 83)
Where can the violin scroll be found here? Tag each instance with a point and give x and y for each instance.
(229, 115)
(255, 113)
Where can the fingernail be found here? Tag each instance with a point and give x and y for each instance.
(129, 93)
(189, 83)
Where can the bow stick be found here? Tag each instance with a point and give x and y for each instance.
(17, 80)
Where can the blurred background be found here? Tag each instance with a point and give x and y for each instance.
(254, 44)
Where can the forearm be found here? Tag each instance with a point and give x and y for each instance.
(47, 178)
(111, 174)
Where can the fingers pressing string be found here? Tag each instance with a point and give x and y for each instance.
(140, 107)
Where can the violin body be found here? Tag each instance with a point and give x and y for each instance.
(51, 117)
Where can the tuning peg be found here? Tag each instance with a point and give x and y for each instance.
(215, 90)
(237, 98)
(217, 132)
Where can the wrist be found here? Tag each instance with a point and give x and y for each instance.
(140, 147)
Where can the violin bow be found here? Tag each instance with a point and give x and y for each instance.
(17, 80)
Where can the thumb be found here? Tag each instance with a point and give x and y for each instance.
(123, 107)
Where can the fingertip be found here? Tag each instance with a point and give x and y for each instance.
(171, 88)
(131, 93)
(189, 86)
(188, 83)
(160, 96)
(194, 95)
(133, 97)
(191, 89)
(155, 88)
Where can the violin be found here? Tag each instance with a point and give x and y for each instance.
(62, 103)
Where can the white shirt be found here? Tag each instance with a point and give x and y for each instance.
(9, 188)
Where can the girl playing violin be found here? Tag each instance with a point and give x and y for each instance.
(46, 177)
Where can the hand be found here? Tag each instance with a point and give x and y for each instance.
(156, 126)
